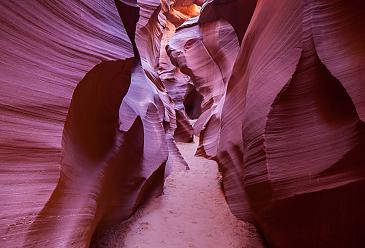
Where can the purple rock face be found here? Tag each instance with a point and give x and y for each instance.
(292, 127)
(118, 136)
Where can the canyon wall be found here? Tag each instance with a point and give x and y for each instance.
(289, 130)
(79, 155)
(46, 49)
(292, 126)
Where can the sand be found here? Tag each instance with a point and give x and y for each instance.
(192, 213)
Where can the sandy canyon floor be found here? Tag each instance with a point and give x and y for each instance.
(192, 213)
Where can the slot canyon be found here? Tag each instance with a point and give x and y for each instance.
(182, 123)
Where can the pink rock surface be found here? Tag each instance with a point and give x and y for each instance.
(117, 140)
(291, 124)
(292, 127)
(46, 49)
(177, 85)
(206, 52)
(228, 10)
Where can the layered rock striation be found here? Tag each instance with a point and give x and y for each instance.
(67, 176)
(289, 133)
(292, 130)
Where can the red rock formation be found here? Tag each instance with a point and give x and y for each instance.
(237, 12)
(176, 83)
(292, 124)
(205, 48)
(206, 53)
(95, 155)
(292, 127)
(46, 48)
(117, 142)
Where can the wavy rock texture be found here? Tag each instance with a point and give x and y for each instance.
(228, 10)
(205, 48)
(292, 124)
(117, 142)
(46, 48)
(205, 52)
(176, 83)
(291, 118)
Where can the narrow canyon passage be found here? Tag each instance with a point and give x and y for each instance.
(99, 100)
(192, 212)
